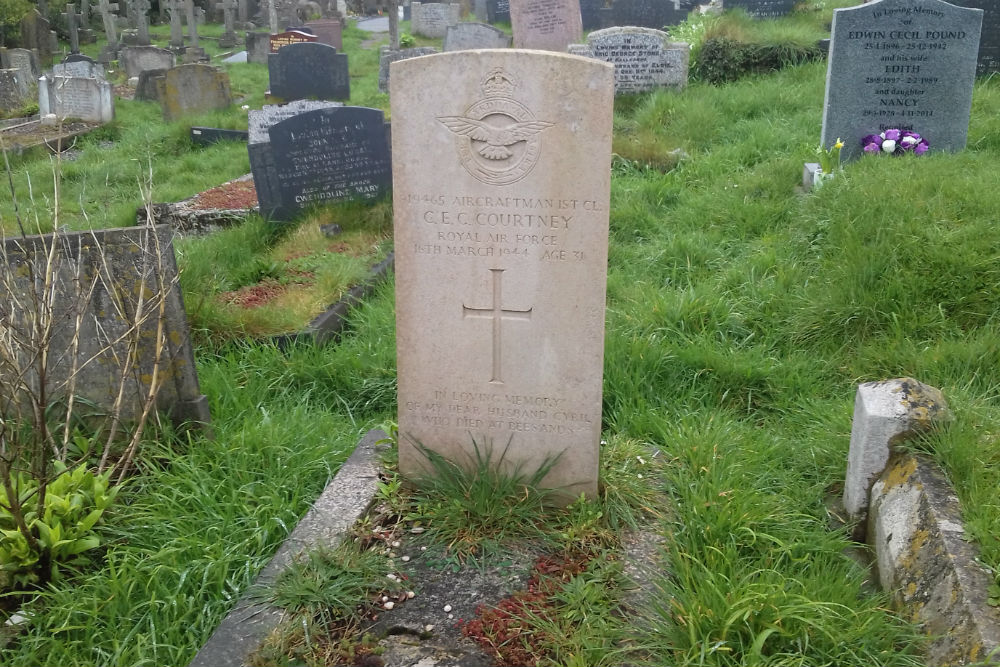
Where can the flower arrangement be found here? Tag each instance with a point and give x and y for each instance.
(895, 142)
(829, 159)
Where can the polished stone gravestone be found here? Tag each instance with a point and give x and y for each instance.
(901, 64)
(500, 197)
(431, 19)
(594, 14)
(547, 25)
(989, 41)
(137, 59)
(79, 68)
(388, 56)
(308, 69)
(497, 11)
(644, 58)
(650, 13)
(281, 39)
(328, 155)
(762, 9)
(193, 88)
(328, 31)
(466, 36)
(24, 60)
(90, 99)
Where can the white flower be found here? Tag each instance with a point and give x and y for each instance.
(245, 107)
(888, 146)
(908, 141)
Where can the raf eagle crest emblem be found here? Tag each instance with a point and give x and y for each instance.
(498, 137)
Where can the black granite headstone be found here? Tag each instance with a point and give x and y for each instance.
(651, 13)
(206, 136)
(989, 43)
(78, 58)
(498, 11)
(308, 70)
(328, 155)
(763, 9)
(592, 12)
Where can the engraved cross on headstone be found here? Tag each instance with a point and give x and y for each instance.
(497, 313)
(176, 9)
(72, 24)
(108, 10)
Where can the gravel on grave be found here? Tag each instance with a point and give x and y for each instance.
(236, 194)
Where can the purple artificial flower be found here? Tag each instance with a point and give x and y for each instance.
(891, 135)
(873, 147)
(922, 147)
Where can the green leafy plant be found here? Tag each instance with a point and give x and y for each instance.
(63, 528)
(829, 158)
(407, 41)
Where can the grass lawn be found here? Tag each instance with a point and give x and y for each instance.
(741, 315)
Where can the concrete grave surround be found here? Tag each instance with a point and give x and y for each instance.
(193, 88)
(762, 9)
(500, 198)
(644, 59)
(989, 42)
(465, 36)
(546, 25)
(308, 69)
(431, 19)
(81, 68)
(132, 260)
(885, 414)
(137, 59)
(388, 56)
(905, 64)
(89, 99)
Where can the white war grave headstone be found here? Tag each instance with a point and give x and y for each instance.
(901, 64)
(500, 195)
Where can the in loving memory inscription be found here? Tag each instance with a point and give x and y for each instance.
(907, 64)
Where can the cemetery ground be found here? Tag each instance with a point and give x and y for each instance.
(741, 315)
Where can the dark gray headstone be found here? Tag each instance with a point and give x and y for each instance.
(205, 136)
(79, 58)
(21, 59)
(904, 64)
(763, 9)
(466, 36)
(651, 13)
(137, 59)
(151, 83)
(387, 56)
(989, 42)
(308, 70)
(498, 11)
(329, 155)
(593, 13)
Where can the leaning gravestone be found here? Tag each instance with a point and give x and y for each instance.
(90, 99)
(431, 19)
(193, 88)
(388, 56)
(501, 232)
(989, 42)
(651, 13)
(762, 9)
(328, 155)
(309, 69)
(137, 59)
(902, 64)
(119, 265)
(24, 60)
(466, 36)
(547, 25)
(644, 59)
(15, 91)
(151, 85)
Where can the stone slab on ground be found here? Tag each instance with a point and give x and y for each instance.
(925, 562)
(346, 498)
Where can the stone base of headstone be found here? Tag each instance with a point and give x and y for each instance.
(812, 175)
(130, 37)
(228, 41)
(108, 54)
(194, 54)
(86, 36)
